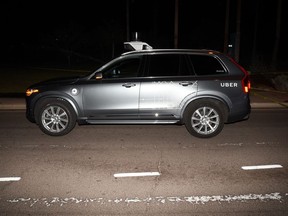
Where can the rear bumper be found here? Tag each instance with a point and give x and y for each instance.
(240, 112)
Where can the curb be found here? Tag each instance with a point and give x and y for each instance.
(12, 104)
(269, 105)
(12, 107)
(15, 104)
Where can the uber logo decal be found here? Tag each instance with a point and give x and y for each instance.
(228, 85)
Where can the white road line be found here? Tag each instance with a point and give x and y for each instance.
(6, 179)
(273, 166)
(138, 174)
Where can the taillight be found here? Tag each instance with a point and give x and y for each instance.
(246, 84)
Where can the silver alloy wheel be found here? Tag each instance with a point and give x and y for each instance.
(205, 120)
(54, 119)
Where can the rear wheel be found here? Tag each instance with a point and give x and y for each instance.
(204, 118)
(55, 117)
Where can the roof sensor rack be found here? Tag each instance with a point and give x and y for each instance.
(136, 46)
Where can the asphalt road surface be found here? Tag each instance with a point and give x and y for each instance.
(77, 174)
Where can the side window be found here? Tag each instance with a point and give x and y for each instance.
(206, 65)
(123, 69)
(168, 65)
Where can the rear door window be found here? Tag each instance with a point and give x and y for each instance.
(168, 65)
(206, 65)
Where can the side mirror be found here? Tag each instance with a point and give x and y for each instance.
(98, 76)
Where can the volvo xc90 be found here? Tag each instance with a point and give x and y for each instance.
(201, 89)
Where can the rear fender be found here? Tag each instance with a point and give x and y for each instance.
(217, 100)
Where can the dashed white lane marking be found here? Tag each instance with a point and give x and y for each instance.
(273, 166)
(137, 174)
(8, 179)
(57, 201)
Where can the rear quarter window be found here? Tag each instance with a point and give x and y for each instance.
(206, 65)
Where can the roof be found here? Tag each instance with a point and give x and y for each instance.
(199, 51)
(139, 47)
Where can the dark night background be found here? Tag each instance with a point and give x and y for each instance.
(85, 34)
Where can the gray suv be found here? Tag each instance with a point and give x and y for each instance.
(201, 89)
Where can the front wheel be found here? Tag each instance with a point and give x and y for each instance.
(56, 117)
(204, 119)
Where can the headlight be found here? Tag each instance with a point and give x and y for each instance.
(31, 91)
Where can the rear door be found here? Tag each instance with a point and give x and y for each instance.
(166, 87)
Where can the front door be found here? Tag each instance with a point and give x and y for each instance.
(116, 95)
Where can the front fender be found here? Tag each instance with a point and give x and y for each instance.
(75, 102)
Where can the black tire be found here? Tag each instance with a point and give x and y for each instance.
(204, 118)
(55, 117)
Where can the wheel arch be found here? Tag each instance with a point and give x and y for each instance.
(67, 99)
(222, 103)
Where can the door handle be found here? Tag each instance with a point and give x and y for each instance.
(185, 83)
(129, 85)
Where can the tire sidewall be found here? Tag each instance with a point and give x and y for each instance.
(191, 108)
(63, 105)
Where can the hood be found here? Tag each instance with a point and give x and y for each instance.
(57, 81)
